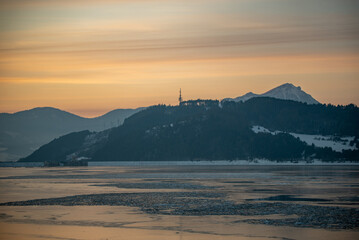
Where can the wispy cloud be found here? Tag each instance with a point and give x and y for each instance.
(158, 43)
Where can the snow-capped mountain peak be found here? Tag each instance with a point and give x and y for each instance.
(286, 91)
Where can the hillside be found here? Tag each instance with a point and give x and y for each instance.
(23, 132)
(203, 130)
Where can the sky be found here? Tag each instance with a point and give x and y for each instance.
(92, 56)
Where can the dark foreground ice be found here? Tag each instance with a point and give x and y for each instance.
(212, 203)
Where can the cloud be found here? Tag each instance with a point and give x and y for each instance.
(56, 3)
(146, 47)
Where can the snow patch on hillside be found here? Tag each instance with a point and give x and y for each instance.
(337, 144)
(260, 129)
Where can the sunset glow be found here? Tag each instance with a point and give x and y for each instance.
(89, 56)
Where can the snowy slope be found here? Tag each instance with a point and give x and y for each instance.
(335, 143)
(243, 98)
(286, 91)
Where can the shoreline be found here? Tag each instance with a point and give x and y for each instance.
(256, 162)
(261, 162)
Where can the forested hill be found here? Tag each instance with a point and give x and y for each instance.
(207, 130)
(298, 117)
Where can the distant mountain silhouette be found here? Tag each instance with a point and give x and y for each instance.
(23, 132)
(286, 91)
(200, 129)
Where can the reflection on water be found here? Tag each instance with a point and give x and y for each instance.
(311, 185)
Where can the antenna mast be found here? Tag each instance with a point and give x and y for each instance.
(180, 97)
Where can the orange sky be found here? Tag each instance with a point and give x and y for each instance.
(89, 57)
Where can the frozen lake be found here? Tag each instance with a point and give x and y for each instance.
(180, 202)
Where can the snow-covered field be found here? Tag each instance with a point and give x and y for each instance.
(335, 143)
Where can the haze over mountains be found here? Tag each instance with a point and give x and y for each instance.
(23, 132)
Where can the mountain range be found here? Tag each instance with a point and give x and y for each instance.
(23, 132)
(286, 91)
(204, 129)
